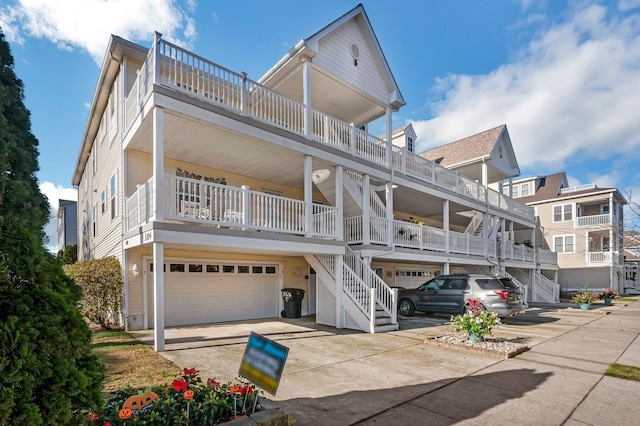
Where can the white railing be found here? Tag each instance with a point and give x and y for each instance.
(177, 68)
(353, 230)
(596, 220)
(599, 257)
(515, 251)
(377, 205)
(140, 206)
(544, 288)
(360, 293)
(191, 200)
(578, 188)
(329, 262)
(385, 297)
(547, 256)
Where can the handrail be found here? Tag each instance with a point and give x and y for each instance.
(384, 293)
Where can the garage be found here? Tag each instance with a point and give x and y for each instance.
(414, 277)
(198, 292)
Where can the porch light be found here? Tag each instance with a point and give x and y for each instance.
(134, 269)
(319, 176)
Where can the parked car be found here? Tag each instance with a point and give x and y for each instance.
(450, 294)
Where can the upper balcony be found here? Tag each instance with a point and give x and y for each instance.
(595, 220)
(173, 67)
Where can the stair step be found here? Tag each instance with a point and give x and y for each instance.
(385, 328)
(383, 321)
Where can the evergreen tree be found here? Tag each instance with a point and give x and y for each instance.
(48, 374)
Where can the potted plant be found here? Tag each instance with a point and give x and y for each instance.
(476, 321)
(584, 298)
(607, 294)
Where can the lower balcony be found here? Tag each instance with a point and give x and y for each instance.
(547, 256)
(515, 251)
(208, 203)
(600, 257)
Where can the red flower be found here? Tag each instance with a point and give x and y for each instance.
(107, 424)
(190, 371)
(180, 385)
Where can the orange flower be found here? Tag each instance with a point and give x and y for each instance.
(125, 413)
(188, 395)
(235, 389)
(92, 417)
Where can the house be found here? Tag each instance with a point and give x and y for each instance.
(631, 262)
(583, 225)
(67, 223)
(239, 188)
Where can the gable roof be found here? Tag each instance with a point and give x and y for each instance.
(547, 187)
(473, 147)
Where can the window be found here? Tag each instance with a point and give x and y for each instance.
(195, 267)
(525, 189)
(176, 267)
(514, 193)
(563, 244)
(103, 201)
(270, 269)
(256, 269)
(604, 209)
(243, 269)
(94, 214)
(562, 213)
(229, 269)
(213, 268)
(409, 144)
(114, 189)
(605, 244)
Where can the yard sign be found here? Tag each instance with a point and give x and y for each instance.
(263, 362)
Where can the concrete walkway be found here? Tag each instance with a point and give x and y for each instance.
(338, 377)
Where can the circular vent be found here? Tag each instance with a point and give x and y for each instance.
(355, 51)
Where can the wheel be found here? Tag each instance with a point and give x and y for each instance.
(406, 308)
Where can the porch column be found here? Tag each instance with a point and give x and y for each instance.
(389, 212)
(306, 96)
(611, 213)
(158, 163)
(308, 196)
(339, 203)
(485, 174)
(366, 217)
(158, 297)
(510, 187)
(445, 225)
(339, 261)
(389, 136)
(446, 270)
(503, 238)
(485, 233)
(533, 244)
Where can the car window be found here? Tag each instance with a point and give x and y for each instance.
(457, 283)
(509, 283)
(490, 283)
(435, 283)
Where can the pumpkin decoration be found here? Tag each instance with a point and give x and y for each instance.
(138, 402)
(188, 395)
(125, 413)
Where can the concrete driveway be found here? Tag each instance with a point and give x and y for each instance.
(341, 377)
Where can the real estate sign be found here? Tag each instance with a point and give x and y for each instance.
(263, 362)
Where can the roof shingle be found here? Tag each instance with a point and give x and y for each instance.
(469, 148)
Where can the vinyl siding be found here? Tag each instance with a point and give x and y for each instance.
(574, 279)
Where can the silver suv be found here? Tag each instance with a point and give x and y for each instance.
(450, 294)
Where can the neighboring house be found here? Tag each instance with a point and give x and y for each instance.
(240, 188)
(67, 223)
(632, 262)
(583, 225)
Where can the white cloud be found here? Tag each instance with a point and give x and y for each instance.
(573, 90)
(625, 5)
(54, 193)
(610, 180)
(87, 24)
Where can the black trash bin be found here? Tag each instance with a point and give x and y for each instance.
(292, 302)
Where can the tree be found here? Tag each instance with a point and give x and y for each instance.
(69, 255)
(49, 374)
(101, 283)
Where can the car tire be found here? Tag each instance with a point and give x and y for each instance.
(406, 308)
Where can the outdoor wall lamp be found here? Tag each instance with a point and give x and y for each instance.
(134, 269)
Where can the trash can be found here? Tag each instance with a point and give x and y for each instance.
(292, 302)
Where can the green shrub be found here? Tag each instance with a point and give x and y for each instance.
(101, 283)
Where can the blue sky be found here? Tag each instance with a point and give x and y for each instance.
(563, 75)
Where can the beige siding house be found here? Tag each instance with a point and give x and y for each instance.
(583, 225)
(229, 189)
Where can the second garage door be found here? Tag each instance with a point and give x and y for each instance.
(200, 293)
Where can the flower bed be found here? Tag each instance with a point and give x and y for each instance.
(187, 401)
(503, 348)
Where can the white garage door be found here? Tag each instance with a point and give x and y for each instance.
(200, 293)
(413, 278)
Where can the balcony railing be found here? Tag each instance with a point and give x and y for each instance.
(515, 251)
(597, 257)
(174, 67)
(596, 220)
(196, 201)
(547, 256)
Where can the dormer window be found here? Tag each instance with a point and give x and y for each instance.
(409, 144)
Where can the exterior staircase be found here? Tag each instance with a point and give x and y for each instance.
(369, 303)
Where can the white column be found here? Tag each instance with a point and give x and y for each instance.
(485, 174)
(447, 268)
(340, 202)
(158, 163)
(485, 233)
(308, 196)
(503, 239)
(510, 187)
(158, 297)
(306, 96)
(389, 135)
(389, 212)
(246, 208)
(339, 290)
(366, 217)
(445, 225)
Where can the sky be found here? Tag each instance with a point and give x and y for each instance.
(564, 76)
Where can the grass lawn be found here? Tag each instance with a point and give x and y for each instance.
(130, 362)
(626, 299)
(623, 372)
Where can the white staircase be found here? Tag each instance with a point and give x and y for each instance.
(368, 302)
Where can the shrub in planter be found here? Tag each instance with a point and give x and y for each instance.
(101, 283)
